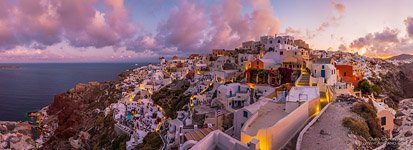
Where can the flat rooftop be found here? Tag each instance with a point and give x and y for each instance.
(199, 134)
(268, 115)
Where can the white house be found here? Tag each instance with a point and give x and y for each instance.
(299, 95)
(274, 124)
(219, 140)
(243, 114)
(234, 95)
(278, 42)
(325, 71)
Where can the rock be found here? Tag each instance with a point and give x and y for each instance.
(398, 121)
(408, 134)
(322, 132)
(399, 113)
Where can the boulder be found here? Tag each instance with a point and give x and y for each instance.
(399, 113)
(408, 134)
(322, 132)
(398, 121)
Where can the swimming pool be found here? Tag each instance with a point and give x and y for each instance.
(129, 115)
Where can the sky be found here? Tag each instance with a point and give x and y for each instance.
(142, 30)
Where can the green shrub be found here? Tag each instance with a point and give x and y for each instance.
(151, 141)
(120, 142)
(356, 126)
(364, 109)
(366, 88)
(368, 112)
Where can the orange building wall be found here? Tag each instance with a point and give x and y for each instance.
(349, 78)
(257, 64)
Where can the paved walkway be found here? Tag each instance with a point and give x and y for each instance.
(328, 132)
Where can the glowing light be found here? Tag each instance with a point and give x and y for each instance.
(362, 51)
(251, 85)
(385, 57)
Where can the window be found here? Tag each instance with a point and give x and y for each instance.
(322, 66)
(345, 73)
(279, 41)
(281, 53)
(383, 121)
(245, 114)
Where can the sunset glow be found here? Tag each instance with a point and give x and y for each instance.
(126, 30)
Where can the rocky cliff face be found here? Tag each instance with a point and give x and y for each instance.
(16, 135)
(396, 82)
(77, 118)
(404, 120)
(407, 69)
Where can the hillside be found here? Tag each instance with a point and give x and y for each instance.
(77, 120)
(401, 57)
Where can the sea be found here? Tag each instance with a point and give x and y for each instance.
(33, 86)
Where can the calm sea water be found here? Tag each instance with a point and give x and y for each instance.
(32, 86)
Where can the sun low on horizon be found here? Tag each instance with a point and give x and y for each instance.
(143, 31)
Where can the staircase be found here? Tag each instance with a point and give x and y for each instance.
(305, 78)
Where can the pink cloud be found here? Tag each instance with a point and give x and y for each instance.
(190, 27)
(409, 26)
(185, 26)
(42, 23)
(333, 20)
(384, 43)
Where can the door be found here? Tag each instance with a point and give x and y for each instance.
(323, 73)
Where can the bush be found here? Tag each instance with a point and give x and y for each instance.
(172, 99)
(368, 112)
(150, 142)
(120, 142)
(356, 126)
(364, 109)
(366, 88)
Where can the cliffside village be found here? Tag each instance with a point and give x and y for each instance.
(258, 96)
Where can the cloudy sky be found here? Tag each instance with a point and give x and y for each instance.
(143, 30)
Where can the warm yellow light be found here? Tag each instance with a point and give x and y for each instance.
(251, 85)
(362, 51)
(385, 57)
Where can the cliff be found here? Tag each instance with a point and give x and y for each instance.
(396, 83)
(76, 118)
(404, 133)
(16, 135)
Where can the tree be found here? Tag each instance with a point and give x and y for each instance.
(365, 87)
